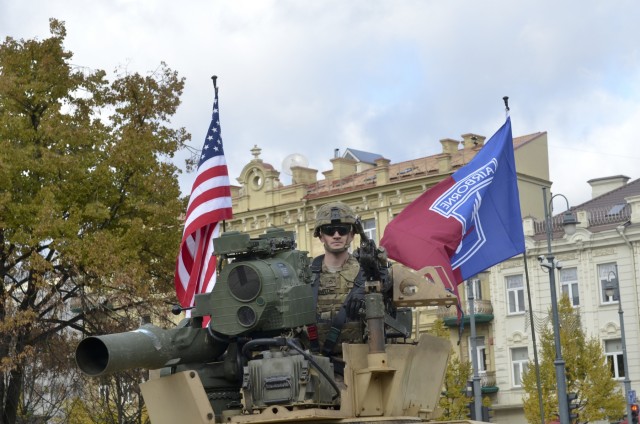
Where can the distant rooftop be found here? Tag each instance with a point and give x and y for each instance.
(413, 168)
(361, 156)
(605, 211)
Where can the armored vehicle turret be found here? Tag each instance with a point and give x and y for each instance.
(255, 362)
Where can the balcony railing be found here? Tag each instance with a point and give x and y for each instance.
(482, 308)
(488, 379)
(602, 216)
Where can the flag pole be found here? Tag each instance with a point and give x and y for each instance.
(531, 318)
(533, 338)
(214, 79)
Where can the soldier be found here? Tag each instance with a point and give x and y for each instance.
(339, 279)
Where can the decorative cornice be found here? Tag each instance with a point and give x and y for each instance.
(567, 256)
(517, 338)
(609, 329)
(512, 263)
(605, 251)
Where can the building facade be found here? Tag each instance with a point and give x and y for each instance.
(605, 247)
(607, 241)
(375, 188)
(378, 190)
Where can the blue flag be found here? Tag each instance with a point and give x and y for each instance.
(466, 223)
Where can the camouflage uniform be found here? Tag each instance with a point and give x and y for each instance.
(332, 291)
(334, 287)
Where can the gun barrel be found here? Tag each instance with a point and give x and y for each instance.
(148, 347)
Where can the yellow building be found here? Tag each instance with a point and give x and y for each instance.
(374, 187)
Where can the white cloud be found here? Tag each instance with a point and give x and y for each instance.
(384, 76)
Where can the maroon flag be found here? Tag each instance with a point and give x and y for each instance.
(209, 204)
(468, 222)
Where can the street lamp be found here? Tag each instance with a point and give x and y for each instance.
(611, 289)
(569, 222)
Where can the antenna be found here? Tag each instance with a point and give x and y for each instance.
(294, 159)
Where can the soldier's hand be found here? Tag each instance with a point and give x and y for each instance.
(353, 307)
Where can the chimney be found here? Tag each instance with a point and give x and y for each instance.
(472, 140)
(634, 201)
(449, 146)
(600, 186)
(303, 175)
(382, 171)
(342, 167)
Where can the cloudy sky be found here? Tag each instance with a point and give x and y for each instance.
(391, 77)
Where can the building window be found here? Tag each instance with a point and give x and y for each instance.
(481, 354)
(569, 285)
(615, 359)
(519, 364)
(369, 227)
(515, 293)
(604, 271)
(476, 288)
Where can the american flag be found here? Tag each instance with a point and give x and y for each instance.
(209, 204)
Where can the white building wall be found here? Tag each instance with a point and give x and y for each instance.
(584, 250)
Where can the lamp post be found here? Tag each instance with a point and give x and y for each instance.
(569, 221)
(477, 388)
(611, 289)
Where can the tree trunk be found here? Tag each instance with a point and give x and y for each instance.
(12, 386)
(12, 398)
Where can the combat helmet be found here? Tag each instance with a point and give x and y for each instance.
(333, 213)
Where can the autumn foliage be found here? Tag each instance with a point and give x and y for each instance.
(89, 214)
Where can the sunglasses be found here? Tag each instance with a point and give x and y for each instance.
(330, 230)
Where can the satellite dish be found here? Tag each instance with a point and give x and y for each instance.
(294, 159)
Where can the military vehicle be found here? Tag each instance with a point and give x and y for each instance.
(255, 361)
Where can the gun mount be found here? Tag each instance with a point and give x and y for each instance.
(266, 288)
(252, 362)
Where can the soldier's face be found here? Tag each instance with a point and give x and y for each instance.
(335, 239)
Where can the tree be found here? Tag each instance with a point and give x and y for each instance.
(454, 400)
(114, 399)
(598, 395)
(89, 207)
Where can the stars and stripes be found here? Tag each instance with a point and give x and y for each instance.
(209, 205)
